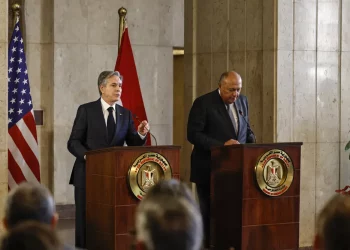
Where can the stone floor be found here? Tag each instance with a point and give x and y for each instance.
(66, 231)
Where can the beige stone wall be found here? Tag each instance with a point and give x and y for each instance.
(313, 96)
(3, 106)
(237, 35)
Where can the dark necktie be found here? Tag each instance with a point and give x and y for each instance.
(110, 124)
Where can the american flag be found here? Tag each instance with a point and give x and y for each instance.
(23, 152)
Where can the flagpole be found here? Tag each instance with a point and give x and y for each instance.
(122, 13)
(15, 8)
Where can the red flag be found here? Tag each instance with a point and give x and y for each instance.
(131, 95)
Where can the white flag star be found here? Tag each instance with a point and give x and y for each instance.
(20, 60)
(10, 70)
(13, 100)
(25, 81)
(26, 72)
(30, 102)
(21, 50)
(21, 101)
(15, 39)
(12, 59)
(14, 91)
(11, 111)
(9, 79)
(21, 40)
(17, 80)
(17, 28)
(10, 120)
(20, 111)
(14, 49)
(19, 70)
(23, 91)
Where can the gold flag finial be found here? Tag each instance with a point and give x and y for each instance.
(15, 8)
(122, 14)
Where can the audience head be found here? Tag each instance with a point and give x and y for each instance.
(30, 202)
(168, 218)
(31, 235)
(333, 225)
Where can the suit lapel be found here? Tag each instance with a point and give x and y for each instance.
(238, 108)
(223, 111)
(100, 119)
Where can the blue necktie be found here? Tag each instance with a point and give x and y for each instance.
(110, 124)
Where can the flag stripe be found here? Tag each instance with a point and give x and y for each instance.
(23, 150)
(28, 136)
(23, 155)
(30, 122)
(15, 173)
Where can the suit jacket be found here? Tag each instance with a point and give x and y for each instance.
(89, 132)
(209, 125)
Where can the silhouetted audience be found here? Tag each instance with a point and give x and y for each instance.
(333, 225)
(31, 235)
(168, 218)
(31, 202)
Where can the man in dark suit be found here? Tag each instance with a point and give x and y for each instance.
(99, 124)
(216, 119)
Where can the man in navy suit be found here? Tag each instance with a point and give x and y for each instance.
(216, 119)
(99, 124)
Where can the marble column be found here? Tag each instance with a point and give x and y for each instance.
(3, 105)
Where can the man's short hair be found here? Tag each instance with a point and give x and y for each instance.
(169, 220)
(333, 224)
(29, 201)
(105, 75)
(173, 188)
(29, 236)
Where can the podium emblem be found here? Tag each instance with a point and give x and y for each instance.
(146, 171)
(274, 172)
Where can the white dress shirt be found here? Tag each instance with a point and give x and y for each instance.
(234, 112)
(105, 111)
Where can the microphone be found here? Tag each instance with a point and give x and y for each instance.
(149, 131)
(249, 129)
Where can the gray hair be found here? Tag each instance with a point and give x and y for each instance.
(29, 201)
(169, 220)
(333, 223)
(104, 76)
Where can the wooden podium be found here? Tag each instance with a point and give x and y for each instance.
(242, 216)
(110, 205)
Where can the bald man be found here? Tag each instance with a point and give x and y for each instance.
(216, 119)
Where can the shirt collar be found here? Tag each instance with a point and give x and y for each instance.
(105, 105)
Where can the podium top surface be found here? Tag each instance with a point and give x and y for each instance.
(131, 148)
(261, 145)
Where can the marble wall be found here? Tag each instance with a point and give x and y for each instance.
(235, 35)
(313, 97)
(3, 106)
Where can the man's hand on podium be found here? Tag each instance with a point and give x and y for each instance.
(231, 142)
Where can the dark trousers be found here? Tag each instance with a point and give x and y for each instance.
(203, 192)
(80, 217)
